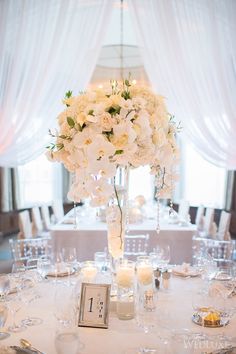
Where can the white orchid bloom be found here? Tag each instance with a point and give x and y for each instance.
(103, 167)
(100, 147)
(77, 192)
(78, 158)
(126, 104)
(84, 138)
(123, 135)
(101, 191)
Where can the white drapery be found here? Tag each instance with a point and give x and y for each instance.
(189, 53)
(46, 48)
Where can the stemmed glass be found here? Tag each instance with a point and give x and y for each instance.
(164, 252)
(226, 305)
(44, 265)
(28, 296)
(4, 286)
(146, 320)
(69, 258)
(14, 302)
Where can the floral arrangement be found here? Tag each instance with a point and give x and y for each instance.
(121, 125)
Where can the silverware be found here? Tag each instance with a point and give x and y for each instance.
(229, 350)
(27, 345)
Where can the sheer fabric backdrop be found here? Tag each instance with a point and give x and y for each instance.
(46, 48)
(189, 53)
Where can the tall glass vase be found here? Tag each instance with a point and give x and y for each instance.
(116, 214)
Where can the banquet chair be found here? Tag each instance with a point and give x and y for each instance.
(58, 210)
(25, 225)
(45, 217)
(199, 215)
(183, 210)
(24, 249)
(223, 230)
(208, 221)
(135, 245)
(220, 251)
(37, 223)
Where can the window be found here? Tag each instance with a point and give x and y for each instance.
(40, 182)
(200, 181)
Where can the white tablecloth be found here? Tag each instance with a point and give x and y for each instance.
(174, 311)
(90, 236)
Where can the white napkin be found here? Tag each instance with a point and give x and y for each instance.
(185, 270)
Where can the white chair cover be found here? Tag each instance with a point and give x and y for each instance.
(25, 225)
(58, 209)
(208, 221)
(183, 210)
(223, 230)
(199, 215)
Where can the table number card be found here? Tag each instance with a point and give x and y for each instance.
(94, 305)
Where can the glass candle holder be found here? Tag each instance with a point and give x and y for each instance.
(125, 274)
(89, 271)
(144, 271)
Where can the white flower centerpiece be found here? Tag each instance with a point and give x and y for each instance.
(121, 126)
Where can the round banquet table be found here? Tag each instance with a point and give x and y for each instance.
(173, 314)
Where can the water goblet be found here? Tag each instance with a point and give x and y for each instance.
(101, 261)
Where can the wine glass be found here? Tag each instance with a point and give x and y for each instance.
(146, 319)
(3, 318)
(28, 296)
(44, 265)
(164, 255)
(14, 302)
(69, 257)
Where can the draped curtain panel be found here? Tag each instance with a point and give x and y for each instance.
(46, 48)
(189, 53)
(9, 189)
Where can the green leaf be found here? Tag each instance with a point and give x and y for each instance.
(59, 146)
(90, 113)
(70, 122)
(68, 94)
(125, 95)
(114, 110)
(119, 152)
(127, 83)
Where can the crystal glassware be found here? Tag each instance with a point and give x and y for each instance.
(4, 286)
(65, 305)
(89, 271)
(125, 274)
(3, 318)
(68, 341)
